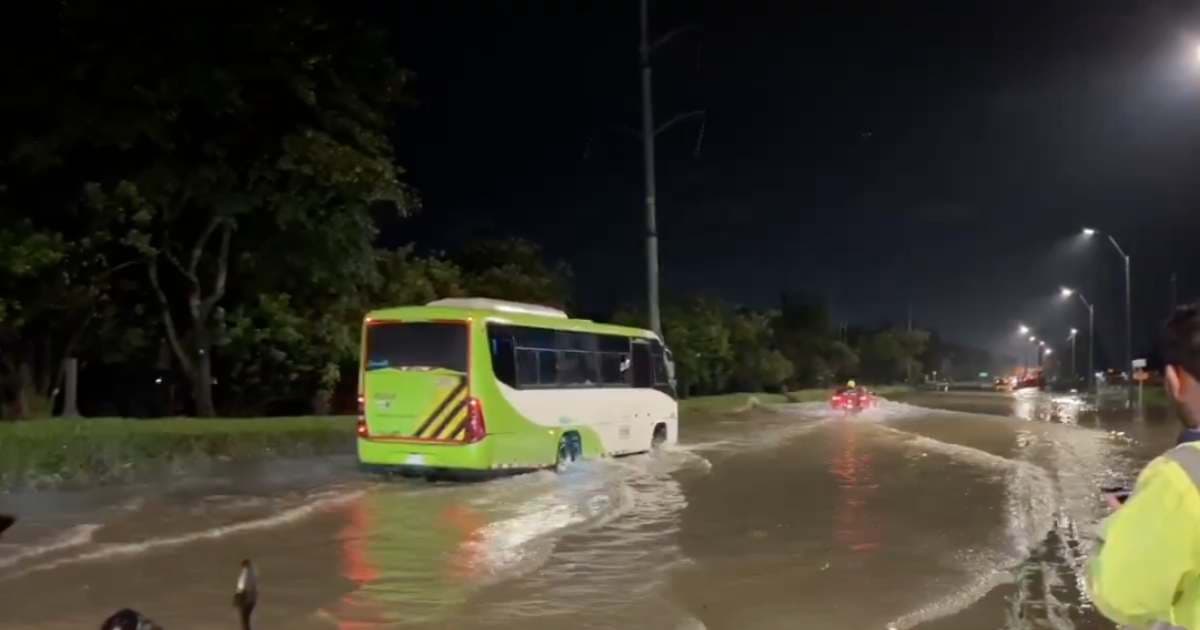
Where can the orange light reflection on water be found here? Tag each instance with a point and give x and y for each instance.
(854, 526)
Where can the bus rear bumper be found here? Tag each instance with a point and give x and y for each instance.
(413, 458)
(432, 473)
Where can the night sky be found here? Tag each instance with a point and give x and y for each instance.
(943, 153)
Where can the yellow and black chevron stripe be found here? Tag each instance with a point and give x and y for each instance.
(449, 418)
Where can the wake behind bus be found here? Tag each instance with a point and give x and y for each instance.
(474, 388)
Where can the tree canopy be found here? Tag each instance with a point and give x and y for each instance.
(233, 166)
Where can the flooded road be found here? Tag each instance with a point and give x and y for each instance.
(977, 514)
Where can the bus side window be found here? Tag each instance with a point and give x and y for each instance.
(527, 368)
(643, 366)
(503, 351)
(614, 368)
(547, 361)
(504, 360)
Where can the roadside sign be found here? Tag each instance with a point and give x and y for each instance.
(1141, 376)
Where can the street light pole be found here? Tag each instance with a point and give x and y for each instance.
(1074, 369)
(1091, 346)
(1128, 317)
(1091, 334)
(648, 158)
(1128, 308)
(1091, 375)
(1032, 350)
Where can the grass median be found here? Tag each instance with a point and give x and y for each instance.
(99, 450)
(59, 451)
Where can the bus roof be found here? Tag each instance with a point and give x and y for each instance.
(504, 306)
(483, 312)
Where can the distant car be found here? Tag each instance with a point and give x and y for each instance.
(936, 386)
(856, 399)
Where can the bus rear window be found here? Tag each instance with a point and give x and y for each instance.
(417, 345)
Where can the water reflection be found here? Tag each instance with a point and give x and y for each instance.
(422, 555)
(1030, 404)
(854, 525)
(401, 555)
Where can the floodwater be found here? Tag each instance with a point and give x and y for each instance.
(977, 514)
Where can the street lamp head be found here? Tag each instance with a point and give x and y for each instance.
(1074, 331)
(1087, 231)
(1049, 351)
(1024, 330)
(1032, 339)
(1065, 292)
(1042, 344)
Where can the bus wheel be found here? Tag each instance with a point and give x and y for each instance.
(570, 449)
(660, 437)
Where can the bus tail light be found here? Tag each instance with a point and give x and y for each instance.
(360, 427)
(476, 425)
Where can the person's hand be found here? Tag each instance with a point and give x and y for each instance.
(1113, 503)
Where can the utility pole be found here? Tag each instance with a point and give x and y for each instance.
(1089, 232)
(1074, 369)
(1174, 291)
(648, 158)
(1128, 324)
(908, 366)
(1091, 346)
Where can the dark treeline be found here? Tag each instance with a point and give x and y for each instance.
(721, 348)
(190, 195)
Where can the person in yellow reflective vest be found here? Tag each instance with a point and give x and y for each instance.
(1147, 572)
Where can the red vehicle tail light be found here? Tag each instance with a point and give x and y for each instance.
(360, 426)
(476, 424)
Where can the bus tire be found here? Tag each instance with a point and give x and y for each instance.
(659, 438)
(570, 450)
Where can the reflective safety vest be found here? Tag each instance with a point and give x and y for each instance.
(1147, 572)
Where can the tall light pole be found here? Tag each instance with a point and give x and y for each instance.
(1074, 369)
(648, 157)
(1088, 232)
(1033, 349)
(649, 131)
(1091, 375)
(1023, 330)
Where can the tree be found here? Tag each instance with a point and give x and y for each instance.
(235, 144)
(757, 364)
(802, 331)
(699, 335)
(891, 354)
(57, 272)
(406, 279)
(514, 269)
(843, 361)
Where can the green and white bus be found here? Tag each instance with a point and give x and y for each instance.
(476, 387)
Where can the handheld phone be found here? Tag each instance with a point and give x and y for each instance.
(1120, 494)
